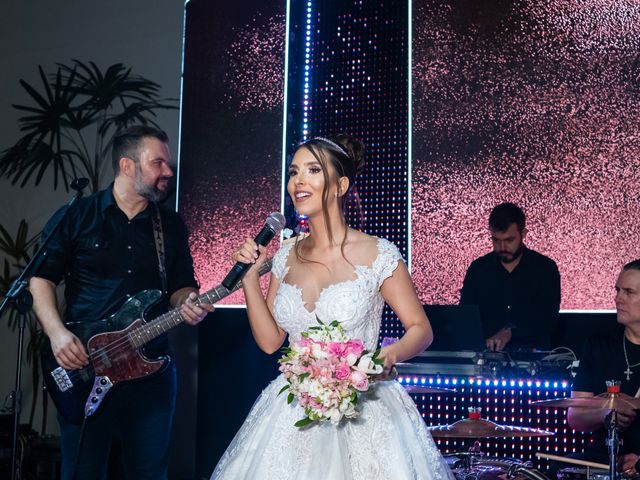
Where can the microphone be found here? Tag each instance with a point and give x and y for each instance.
(274, 223)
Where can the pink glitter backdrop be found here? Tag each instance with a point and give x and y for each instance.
(534, 102)
(232, 130)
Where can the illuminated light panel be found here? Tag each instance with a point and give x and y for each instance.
(355, 80)
(504, 401)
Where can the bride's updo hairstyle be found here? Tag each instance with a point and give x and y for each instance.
(346, 155)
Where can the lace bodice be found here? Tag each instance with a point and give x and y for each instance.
(357, 303)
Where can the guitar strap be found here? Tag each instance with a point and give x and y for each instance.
(158, 237)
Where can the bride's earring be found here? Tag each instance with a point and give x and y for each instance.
(303, 223)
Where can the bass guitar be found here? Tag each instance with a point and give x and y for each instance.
(115, 353)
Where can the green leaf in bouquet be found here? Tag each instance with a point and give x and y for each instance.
(290, 398)
(286, 357)
(286, 387)
(303, 423)
(375, 359)
(303, 376)
(354, 397)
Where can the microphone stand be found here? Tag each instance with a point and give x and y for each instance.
(613, 443)
(21, 299)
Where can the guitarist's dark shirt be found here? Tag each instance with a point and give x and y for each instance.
(104, 258)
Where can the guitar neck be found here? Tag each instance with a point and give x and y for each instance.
(156, 327)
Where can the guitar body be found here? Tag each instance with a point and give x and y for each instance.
(121, 363)
(114, 358)
(114, 347)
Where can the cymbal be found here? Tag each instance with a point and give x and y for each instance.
(610, 401)
(424, 389)
(481, 428)
(574, 461)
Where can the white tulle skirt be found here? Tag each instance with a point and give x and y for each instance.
(388, 441)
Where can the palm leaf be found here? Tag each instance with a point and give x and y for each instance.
(134, 113)
(39, 149)
(75, 99)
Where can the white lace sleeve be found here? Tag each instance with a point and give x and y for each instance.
(279, 264)
(388, 258)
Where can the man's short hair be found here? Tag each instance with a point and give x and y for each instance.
(126, 142)
(505, 214)
(634, 265)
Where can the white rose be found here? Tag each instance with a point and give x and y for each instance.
(352, 358)
(349, 410)
(367, 365)
(334, 415)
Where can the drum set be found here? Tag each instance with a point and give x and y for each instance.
(475, 465)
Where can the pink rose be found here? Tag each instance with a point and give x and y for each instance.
(360, 380)
(343, 371)
(354, 347)
(338, 349)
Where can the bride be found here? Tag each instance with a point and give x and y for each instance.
(334, 273)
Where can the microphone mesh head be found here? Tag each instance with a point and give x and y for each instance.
(276, 221)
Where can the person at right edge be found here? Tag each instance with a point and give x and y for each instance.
(517, 289)
(614, 356)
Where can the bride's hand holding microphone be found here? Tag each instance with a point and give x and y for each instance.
(252, 254)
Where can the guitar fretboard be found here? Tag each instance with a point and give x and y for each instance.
(156, 327)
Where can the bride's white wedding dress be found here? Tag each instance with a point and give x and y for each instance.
(387, 441)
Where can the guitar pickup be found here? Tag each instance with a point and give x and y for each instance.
(61, 377)
(102, 357)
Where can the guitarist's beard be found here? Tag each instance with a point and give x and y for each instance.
(151, 192)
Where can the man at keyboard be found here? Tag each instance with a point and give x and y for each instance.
(517, 289)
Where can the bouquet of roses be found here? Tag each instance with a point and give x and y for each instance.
(327, 371)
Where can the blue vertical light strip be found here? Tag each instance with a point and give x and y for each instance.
(179, 141)
(409, 130)
(283, 173)
(307, 74)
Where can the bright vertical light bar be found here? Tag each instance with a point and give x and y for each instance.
(179, 140)
(283, 176)
(306, 90)
(409, 131)
(307, 76)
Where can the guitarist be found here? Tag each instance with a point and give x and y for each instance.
(106, 251)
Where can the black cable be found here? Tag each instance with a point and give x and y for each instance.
(45, 408)
(74, 465)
